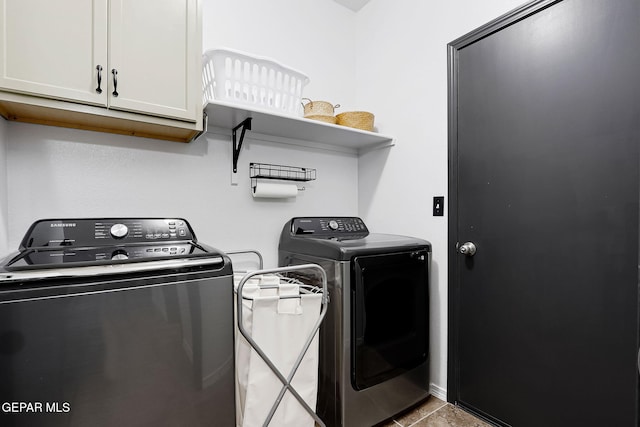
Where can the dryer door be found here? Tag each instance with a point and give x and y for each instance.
(390, 312)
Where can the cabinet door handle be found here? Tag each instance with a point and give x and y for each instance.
(99, 68)
(115, 82)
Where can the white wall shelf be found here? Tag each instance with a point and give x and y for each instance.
(223, 116)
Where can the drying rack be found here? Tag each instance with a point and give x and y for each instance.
(304, 289)
(267, 171)
(282, 172)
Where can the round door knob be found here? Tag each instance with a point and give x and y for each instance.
(118, 231)
(468, 249)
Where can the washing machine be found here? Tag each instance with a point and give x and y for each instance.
(113, 322)
(374, 341)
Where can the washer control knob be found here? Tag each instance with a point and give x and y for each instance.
(119, 255)
(333, 224)
(118, 231)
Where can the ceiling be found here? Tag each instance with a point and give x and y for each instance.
(354, 5)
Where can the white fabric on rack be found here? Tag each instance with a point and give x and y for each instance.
(280, 327)
(290, 305)
(251, 289)
(243, 349)
(282, 337)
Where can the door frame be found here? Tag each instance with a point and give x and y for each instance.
(454, 259)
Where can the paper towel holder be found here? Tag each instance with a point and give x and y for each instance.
(280, 172)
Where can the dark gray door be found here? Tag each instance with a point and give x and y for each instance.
(544, 133)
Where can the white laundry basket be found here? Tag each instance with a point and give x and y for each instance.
(277, 321)
(237, 77)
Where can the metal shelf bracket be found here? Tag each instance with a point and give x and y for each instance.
(237, 144)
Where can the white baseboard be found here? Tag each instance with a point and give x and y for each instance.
(439, 392)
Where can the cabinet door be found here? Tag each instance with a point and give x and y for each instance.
(52, 48)
(154, 47)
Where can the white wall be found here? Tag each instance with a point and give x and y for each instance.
(58, 172)
(62, 172)
(401, 65)
(316, 37)
(4, 210)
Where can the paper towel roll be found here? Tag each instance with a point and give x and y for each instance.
(274, 190)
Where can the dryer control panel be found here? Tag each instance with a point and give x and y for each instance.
(327, 227)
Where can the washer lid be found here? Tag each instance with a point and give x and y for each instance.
(84, 256)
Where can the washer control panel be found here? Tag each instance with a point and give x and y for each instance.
(104, 232)
(341, 227)
(103, 254)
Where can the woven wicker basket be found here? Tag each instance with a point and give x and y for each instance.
(356, 119)
(319, 108)
(322, 118)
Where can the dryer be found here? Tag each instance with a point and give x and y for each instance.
(374, 342)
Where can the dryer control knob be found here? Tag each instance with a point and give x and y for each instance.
(333, 224)
(118, 231)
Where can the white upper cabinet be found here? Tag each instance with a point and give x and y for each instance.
(52, 48)
(153, 49)
(140, 56)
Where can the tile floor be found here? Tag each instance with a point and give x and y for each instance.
(433, 412)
